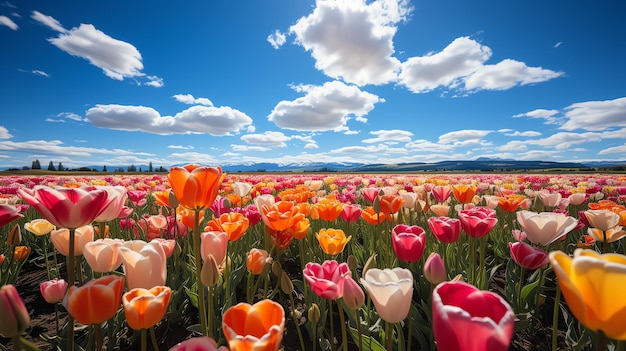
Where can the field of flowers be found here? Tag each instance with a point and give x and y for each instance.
(327, 262)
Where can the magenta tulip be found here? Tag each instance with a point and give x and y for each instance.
(326, 279)
(435, 269)
(408, 242)
(8, 213)
(441, 193)
(53, 290)
(445, 229)
(466, 318)
(478, 221)
(528, 256)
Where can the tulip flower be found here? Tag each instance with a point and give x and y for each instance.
(370, 194)
(390, 204)
(241, 189)
(609, 236)
(254, 327)
(168, 245)
(391, 290)
(234, 224)
(20, 253)
(145, 308)
(332, 241)
(8, 213)
(441, 193)
(592, 287)
(198, 343)
(445, 229)
(61, 239)
(464, 193)
(39, 226)
(466, 318)
(53, 290)
(117, 196)
(602, 219)
(66, 207)
(546, 227)
(528, 256)
(282, 215)
(103, 255)
(144, 264)
(477, 222)
(195, 186)
(256, 260)
(329, 210)
(550, 199)
(326, 279)
(214, 243)
(353, 295)
(435, 269)
(95, 301)
(14, 316)
(511, 203)
(408, 242)
(372, 217)
(137, 197)
(210, 271)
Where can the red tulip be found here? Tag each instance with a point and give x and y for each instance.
(528, 256)
(445, 229)
(465, 318)
(478, 221)
(408, 242)
(8, 213)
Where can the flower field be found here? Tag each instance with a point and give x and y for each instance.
(315, 261)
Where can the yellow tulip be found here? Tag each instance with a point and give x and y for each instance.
(593, 286)
(332, 241)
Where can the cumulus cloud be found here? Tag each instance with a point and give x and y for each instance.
(267, 139)
(427, 146)
(464, 137)
(528, 133)
(596, 115)
(277, 39)
(323, 108)
(550, 116)
(4, 133)
(180, 147)
(389, 135)
(190, 100)
(353, 40)
(218, 121)
(507, 74)
(6, 21)
(614, 150)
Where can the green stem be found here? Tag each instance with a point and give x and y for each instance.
(211, 308)
(602, 342)
(539, 286)
(197, 254)
(332, 327)
(70, 283)
(144, 339)
(155, 343)
(357, 317)
(45, 253)
(295, 321)
(17, 343)
(621, 345)
(520, 285)
(344, 333)
(389, 336)
(555, 317)
(482, 281)
(99, 339)
(472, 260)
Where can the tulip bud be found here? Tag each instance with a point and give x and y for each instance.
(286, 285)
(21, 253)
(210, 273)
(352, 263)
(15, 318)
(1, 259)
(435, 269)
(277, 268)
(172, 199)
(314, 313)
(53, 290)
(353, 295)
(15, 236)
(371, 263)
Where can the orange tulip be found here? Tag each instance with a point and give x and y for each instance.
(464, 193)
(234, 224)
(510, 203)
(371, 217)
(145, 308)
(162, 198)
(195, 186)
(21, 253)
(332, 241)
(282, 215)
(329, 210)
(256, 260)
(188, 217)
(254, 327)
(390, 203)
(97, 300)
(300, 229)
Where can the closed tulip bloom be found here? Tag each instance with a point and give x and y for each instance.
(117, 196)
(546, 227)
(195, 186)
(61, 239)
(390, 204)
(145, 308)
(408, 199)
(95, 301)
(593, 285)
(464, 193)
(329, 210)
(477, 222)
(103, 255)
(168, 245)
(602, 219)
(468, 319)
(15, 318)
(8, 213)
(39, 226)
(214, 243)
(256, 260)
(20, 253)
(53, 290)
(332, 241)
(408, 242)
(210, 271)
(435, 269)
(66, 207)
(577, 199)
(528, 256)
(445, 229)
(241, 188)
(370, 194)
(550, 199)
(441, 193)
(611, 235)
(353, 295)
(351, 213)
(326, 279)
(440, 210)
(391, 290)
(144, 264)
(254, 327)
(199, 343)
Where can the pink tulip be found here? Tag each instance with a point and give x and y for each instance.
(326, 280)
(168, 245)
(103, 255)
(137, 197)
(61, 239)
(14, 318)
(528, 256)
(351, 213)
(116, 199)
(435, 269)
(391, 290)
(478, 222)
(214, 243)
(8, 213)
(53, 290)
(408, 242)
(441, 193)
(465, 318)
(546, 227)
(144, 264)
(370, 194)
(445, 229)
(66, 207)
(353, 295)
(203, 343)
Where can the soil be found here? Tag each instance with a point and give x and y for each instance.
(172, 331)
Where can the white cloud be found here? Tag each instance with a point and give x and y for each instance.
(550, 116)
(507, 74)
(353, 40)
(276, 39)
(190, 100)
(464, 137)
(197, 119)
(528, 133)
(154, 81)
(596, 115)
(71, 115)
(268, 139)
(614, 150)
(389, 135)
(180, 147)
(428, 146)
(380, 149)
(246, 148)
(56, 147)
(192, 157)
(4, 133)
(323, 108)
(48, 21)
(6, 21)
(40, 73)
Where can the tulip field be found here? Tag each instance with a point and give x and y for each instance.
(196, 259)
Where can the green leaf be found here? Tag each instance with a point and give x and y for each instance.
(369, 343)
(193, 297)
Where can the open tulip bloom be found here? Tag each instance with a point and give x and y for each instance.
(254, 327)
(391, 290)
(326, 279)
(546, 227)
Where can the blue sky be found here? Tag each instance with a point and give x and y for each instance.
(233, 82)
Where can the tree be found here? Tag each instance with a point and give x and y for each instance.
(36, 165)
(104, 169)
(150, 167)
(51, 166)
(60, 168)
(132, 168)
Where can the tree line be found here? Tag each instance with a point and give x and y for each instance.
(36, 165)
